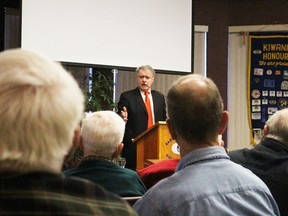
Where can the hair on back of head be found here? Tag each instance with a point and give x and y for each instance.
(102, 132)
(278, 127)
(41, 105)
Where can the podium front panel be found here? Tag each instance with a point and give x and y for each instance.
(156, 143)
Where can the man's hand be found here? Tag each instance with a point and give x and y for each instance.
(124, 114)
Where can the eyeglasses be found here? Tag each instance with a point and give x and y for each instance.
(146, 77)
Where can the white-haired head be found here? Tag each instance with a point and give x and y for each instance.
(40, 106)
(102, 132)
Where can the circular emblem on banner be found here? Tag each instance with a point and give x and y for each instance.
(257, 51)
(255, 93)
(284, 85)
(272, 102)
(282, 103)
(269, 72)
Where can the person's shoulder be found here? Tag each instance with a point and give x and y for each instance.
(80, 183)
(239, 154)
(98, 196)
(235, 152)
(64, 195)
(128, 172)
(69, 187)
(243, 172)
(70, 171)
(80, 187)
(129, 93)
(173, 190)
(156, 93)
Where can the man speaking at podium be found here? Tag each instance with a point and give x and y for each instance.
(140, 108)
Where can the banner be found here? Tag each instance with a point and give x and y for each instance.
(267, 79)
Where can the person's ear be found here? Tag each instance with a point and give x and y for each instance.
(75, 143)
(118, 151)
(266, 130)
(81, 144)
(224, 122)
(171, 129)
(77, 136)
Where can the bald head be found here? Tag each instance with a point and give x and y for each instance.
(195, 108)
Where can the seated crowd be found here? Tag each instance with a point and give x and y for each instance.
(268, 160)
(41, 106)
(41, 113)
(206, 181)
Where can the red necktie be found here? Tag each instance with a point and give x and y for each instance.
(149, 110)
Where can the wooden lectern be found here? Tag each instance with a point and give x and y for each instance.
(155, 143)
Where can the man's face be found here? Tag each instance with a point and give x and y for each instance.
(145, 79)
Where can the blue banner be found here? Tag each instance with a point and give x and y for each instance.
(267, 79)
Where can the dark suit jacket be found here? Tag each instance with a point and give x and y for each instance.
(269, 161)
(138, 119)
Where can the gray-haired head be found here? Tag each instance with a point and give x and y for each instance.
(278, 126)
(146, 68)
(41, 106)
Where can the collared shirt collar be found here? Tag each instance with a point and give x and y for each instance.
(143, 93)
(94, 157)
(199, 155)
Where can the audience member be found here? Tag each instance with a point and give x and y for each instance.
(41, 107)
(131, 107)
(206, 182)
(269, 159)
(73, 158)
(102, 133)
(151, 174)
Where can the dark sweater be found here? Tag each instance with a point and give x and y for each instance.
(118, 180)
(269, 161)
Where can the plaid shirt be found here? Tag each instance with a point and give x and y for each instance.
(51, 194)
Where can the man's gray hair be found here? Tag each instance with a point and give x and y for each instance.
(146, 68)
(102, 132)
(41, 105)
(278, 126)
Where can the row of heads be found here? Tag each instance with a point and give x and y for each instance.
(41, 105)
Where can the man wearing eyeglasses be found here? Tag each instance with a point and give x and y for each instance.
(131, 107)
